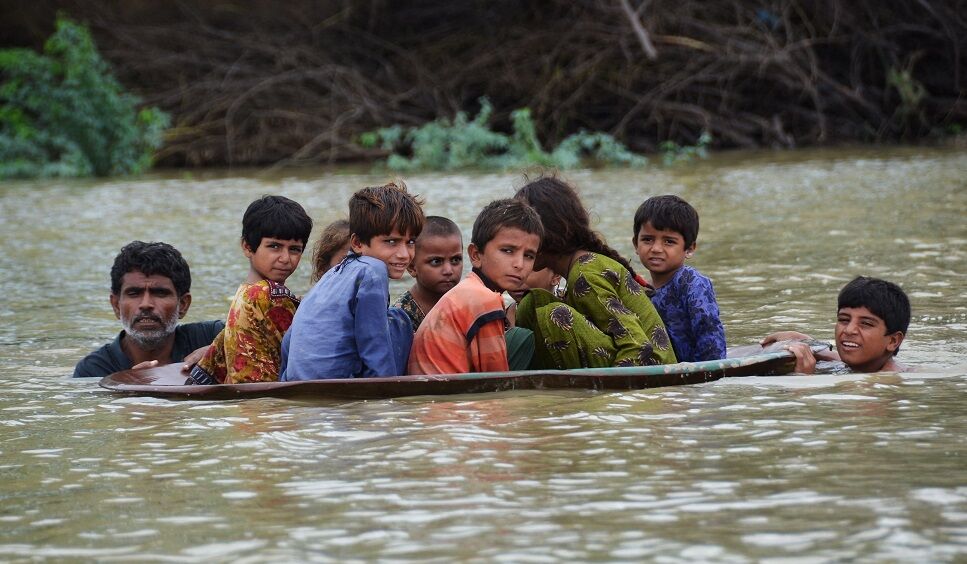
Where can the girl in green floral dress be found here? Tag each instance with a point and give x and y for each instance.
(606, 317)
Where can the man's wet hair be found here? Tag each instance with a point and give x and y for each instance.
(378, 210)
(500, 214)
(884, 299)
(668, 212)
(150, 259)
(276, 217)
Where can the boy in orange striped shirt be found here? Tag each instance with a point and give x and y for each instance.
(464, 332)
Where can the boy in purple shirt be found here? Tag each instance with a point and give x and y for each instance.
(666, 228)
(344, 327)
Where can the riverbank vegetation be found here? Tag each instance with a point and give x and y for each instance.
(302, 82)
(443, 144)
(62, 113)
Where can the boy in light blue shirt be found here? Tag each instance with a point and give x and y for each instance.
(344, 327)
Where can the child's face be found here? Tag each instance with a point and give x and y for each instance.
(544, 278)
(338, 256)
(394, 249)
(508, 258)
(275, 259)
(438, 263)
(862, 341)
(661, 251)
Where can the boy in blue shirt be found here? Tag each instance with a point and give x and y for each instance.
(666, 228)
(344, 327)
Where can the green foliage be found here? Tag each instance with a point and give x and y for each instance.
(63, 113)
(911, 91)
(673, 153)
(465, 143)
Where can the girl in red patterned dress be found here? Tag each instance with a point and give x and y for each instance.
(275, 231)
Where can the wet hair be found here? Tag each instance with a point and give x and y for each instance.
(151, 259)
(567, 225)
(499, 214)
(438, 226)
(277, 217)
(334, 237)
(668, 212)
(378, 210)
(884, 299)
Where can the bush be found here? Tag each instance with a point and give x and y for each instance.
(466, 143)
(673, 153)
(64, 114)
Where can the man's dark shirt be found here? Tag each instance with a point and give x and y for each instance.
(111, 358)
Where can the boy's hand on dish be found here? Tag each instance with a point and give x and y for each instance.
(193, 358)
(784, 336)
(805, 359)
(145, 364)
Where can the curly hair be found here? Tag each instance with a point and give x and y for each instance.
(151, 259)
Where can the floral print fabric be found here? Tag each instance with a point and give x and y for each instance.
(688, 307)
(605, 319)
(411, 309)
(248, 349)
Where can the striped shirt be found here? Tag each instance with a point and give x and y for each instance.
(464, 332)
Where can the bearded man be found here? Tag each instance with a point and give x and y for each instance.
(150, 285)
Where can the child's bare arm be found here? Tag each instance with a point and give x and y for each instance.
(784, 336)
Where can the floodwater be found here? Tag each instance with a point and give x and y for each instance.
(793, 468)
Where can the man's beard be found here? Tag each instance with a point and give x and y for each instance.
(150, 340)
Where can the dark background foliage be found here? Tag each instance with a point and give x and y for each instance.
(297, 82)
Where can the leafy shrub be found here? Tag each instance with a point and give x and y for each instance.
(673, 153)
(64, 114)
(465, 143)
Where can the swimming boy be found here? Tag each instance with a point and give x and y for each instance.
(871, 322)
(344, 328)
(665, 233)
(437, 266)
(464, 332)
(275, 231)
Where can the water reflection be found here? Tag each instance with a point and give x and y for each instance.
(833, 467)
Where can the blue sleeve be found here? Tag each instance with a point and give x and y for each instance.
(284, 355)
(703, 313)
(371, 330)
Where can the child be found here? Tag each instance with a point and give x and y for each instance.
(332, 247)
(871, 323)
(545, 279)
(605, 317)
(664, 237)
(343, 328)
(464, 332)
(437, 266)
(275, 231)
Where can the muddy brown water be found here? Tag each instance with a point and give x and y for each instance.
(823, 468)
